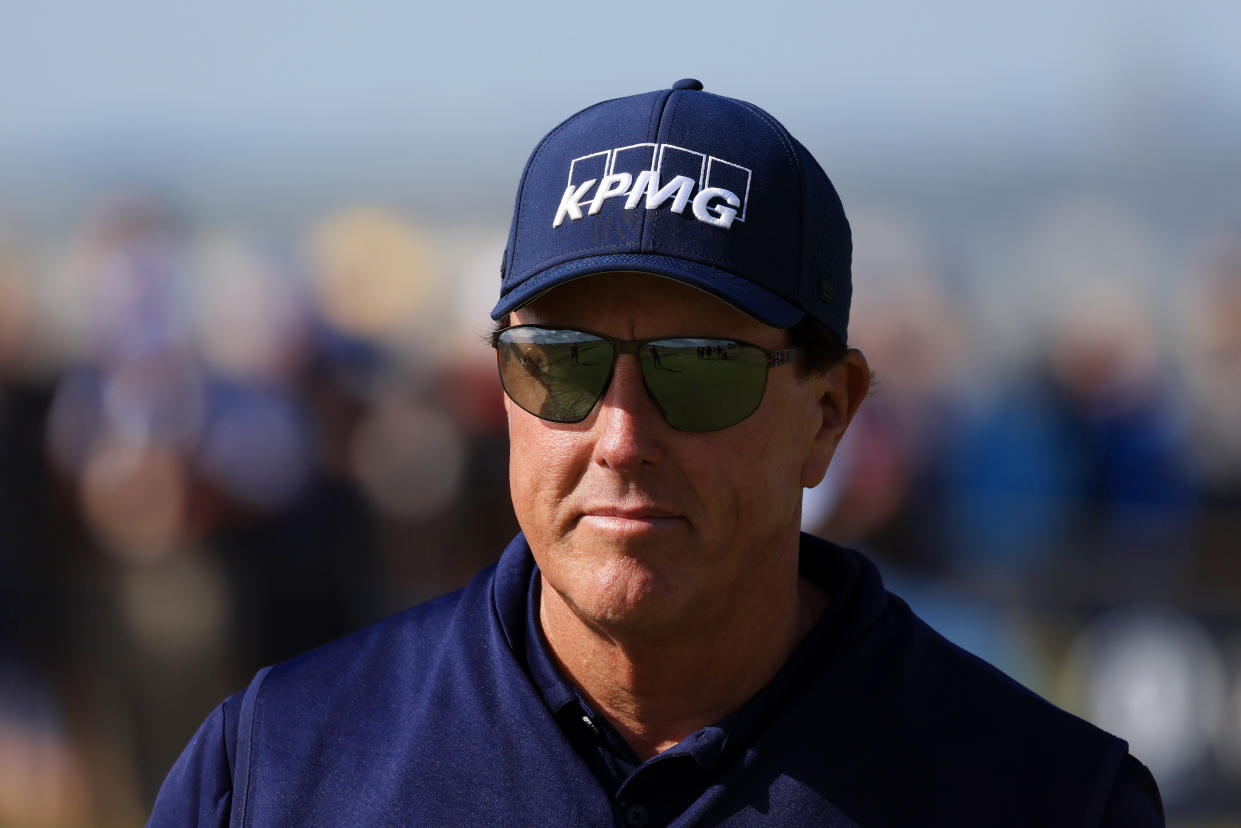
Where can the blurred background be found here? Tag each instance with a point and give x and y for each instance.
(247, 253)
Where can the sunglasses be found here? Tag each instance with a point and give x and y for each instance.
(697, 383)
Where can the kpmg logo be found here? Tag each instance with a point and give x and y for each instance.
(653, 175)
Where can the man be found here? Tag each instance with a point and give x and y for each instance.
(660, 645)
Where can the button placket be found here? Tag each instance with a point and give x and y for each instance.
(590, 725)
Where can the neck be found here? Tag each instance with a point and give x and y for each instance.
(656, 687)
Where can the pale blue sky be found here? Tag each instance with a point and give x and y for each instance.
(181, 89)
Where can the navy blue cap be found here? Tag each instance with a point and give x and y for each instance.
(681, 183)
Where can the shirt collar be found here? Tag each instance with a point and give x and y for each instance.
(847, 577)
(556, 690)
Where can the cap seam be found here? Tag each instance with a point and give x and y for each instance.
(790, 152)
(644, 244)
(775, 127)
(652, 126)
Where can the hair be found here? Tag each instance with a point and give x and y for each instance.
(823, 348)
(498, 327)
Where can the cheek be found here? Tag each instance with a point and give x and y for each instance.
(765, 466)
(544, 465)
(734, 482)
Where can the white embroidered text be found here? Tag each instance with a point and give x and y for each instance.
(655, 175)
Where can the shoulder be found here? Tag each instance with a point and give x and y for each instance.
(972, 705)
(931, 683)
(954, 733)
(356, 690)
(198, 789)
(326, 731)
(1134, 801)
(398, 652)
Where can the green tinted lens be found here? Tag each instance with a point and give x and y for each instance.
(704, 384)
(557, 375)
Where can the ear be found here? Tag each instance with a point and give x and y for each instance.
(838, 394)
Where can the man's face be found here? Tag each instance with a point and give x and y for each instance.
(637, 526)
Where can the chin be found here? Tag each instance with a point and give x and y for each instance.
(624, 593)
(622, 577)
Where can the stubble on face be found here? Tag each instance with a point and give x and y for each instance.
(613, 545)
(634, 525)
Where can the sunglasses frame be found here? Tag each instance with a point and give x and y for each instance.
(775, 359)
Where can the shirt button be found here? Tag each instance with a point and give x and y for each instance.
(637, 816)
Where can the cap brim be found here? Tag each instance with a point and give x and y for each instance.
(747, 297)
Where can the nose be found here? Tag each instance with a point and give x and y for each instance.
(630, 427)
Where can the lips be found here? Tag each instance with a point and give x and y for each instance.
(629, 512)
(629, 521)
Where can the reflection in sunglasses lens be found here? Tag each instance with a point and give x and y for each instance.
(704, 384)
(556, 375)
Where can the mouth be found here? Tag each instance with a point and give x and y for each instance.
(631, 520)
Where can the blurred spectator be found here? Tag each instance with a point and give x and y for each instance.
(215, 454)
(886, 475)
(1210, 360)
(1082, 457)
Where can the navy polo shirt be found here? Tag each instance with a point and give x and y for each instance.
(613, 760)
(454, 713)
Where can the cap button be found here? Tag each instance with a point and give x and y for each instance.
(688, 83)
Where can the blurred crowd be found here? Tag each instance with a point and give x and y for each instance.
(221, 447)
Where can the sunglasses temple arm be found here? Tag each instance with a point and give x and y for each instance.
(785, 356)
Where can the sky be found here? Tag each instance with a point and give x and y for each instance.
(436, 96)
